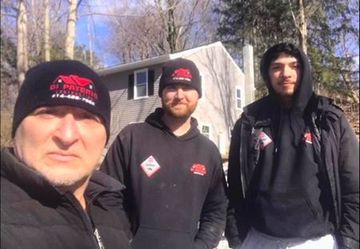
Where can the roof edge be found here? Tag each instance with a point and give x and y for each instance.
(154, 60)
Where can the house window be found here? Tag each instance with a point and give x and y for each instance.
(238, 97)
(205, 130)
(141, 84)
(202, 80)
(230, 131)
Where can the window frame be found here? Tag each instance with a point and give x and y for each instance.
(238, 98)
(201, 131)
(146, 71)
(202, 85)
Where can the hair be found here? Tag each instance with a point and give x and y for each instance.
(273, 53)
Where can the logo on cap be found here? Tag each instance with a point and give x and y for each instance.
(74, 87)
(74, 80)
(181, 74)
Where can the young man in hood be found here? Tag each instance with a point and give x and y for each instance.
(293, 165)
(175, 185)
(52, 196)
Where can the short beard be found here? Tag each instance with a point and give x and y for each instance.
(64, 181)
(179, 115)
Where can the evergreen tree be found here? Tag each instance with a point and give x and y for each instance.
(331, 34)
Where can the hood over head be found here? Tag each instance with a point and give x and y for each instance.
(305, 90)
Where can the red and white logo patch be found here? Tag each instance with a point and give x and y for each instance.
(308, 137)
(74, 87)
(198, 169)
(150, 166)
(265, 140)
(181, 74)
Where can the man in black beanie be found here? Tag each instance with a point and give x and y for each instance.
(293, 165)
(52, 196)
(175, 186)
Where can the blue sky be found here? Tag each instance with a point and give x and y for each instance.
(97, 27)
(100, 32)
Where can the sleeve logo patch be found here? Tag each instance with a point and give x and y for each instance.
(150, 166)
(198, 169)
(265, 140)
(308, 137)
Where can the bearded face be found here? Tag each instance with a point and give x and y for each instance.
(179, 100)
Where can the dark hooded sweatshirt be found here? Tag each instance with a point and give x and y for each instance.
(283, 180)
(175, 185)
(286, 188)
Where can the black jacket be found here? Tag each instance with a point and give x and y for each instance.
(175, 185)
(35, 215)
(336, 150)
(314, 142)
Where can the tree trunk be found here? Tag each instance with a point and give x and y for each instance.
(171, 27)
(46, 31)
(90, 37)
(71, 30)
(22, 53)
(302, 27)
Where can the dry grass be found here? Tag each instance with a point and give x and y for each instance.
(6, 120)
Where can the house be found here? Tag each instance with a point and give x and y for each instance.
(225, 90)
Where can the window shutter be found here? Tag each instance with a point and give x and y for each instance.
(131, 86)
(151, 82)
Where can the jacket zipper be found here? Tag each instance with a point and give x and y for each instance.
(86, 222)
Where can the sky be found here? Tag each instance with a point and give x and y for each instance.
(98, 27)
(95, 26)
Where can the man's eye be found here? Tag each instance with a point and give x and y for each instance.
(45, 112)
(275, 68)
(171, 88)
(187, 88)
(88, 115)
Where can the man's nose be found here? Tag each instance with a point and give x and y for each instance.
(67, 131)
(287, 71)
(179, 93)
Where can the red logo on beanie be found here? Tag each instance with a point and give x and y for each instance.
(74, 80)
(181, 74)
(74, 87)
(198, 169)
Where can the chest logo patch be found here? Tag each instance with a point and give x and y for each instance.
(265, 140)
(198, 169)
(308, 137)
(150, 166)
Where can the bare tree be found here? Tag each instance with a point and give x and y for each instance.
(46, 31)
(71, 29)
(302, 27)
(159, 27)
(300, 23)
(22, 52)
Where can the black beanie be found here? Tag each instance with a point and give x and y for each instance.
(63, 82)
(180, 71)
